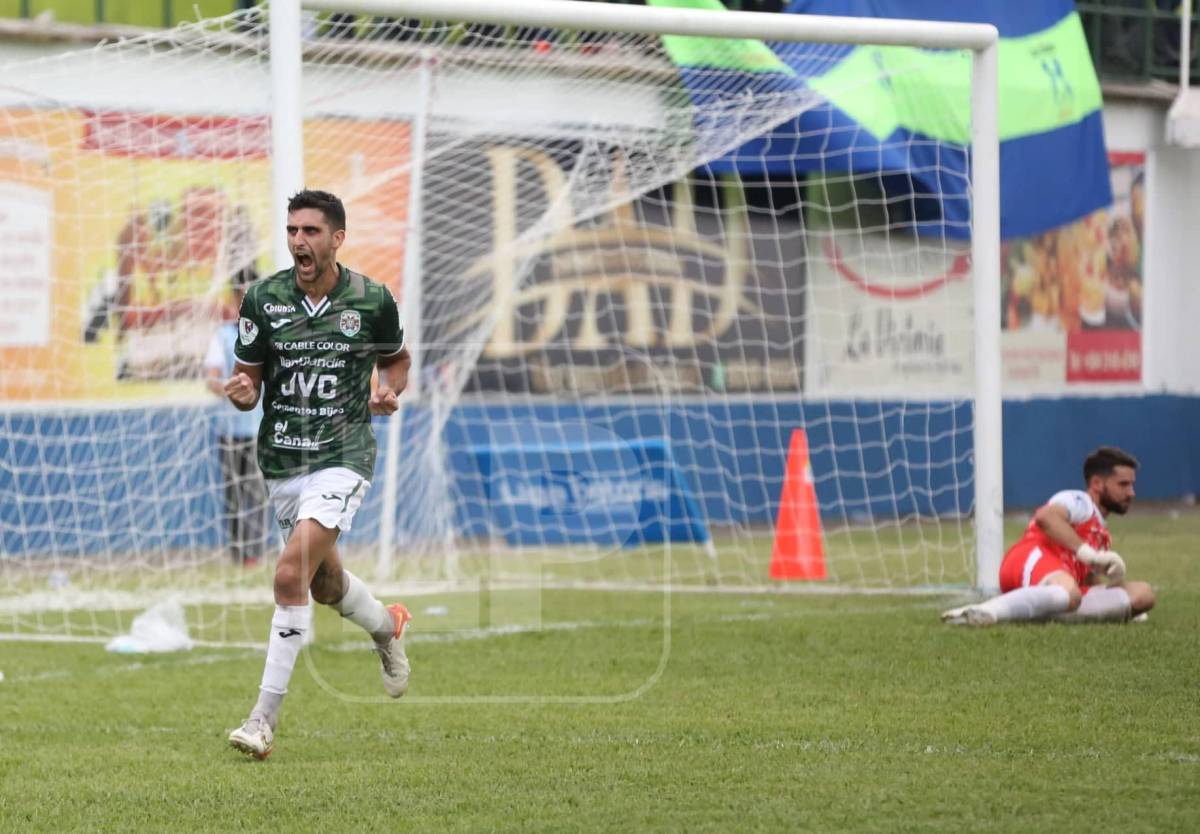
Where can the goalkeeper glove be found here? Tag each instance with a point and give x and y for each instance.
(1108, 562)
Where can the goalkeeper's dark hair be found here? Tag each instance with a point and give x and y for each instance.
(328, 204)
(1105, 460)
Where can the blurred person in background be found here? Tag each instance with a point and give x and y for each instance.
(245, 507)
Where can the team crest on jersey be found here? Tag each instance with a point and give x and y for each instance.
(350, 322)
(247, 330)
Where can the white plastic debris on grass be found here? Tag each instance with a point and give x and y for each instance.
(163, 628)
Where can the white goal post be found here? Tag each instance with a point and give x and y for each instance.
(981, 39)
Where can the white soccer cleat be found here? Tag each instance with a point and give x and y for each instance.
(254, 738)
(392, 656)
(972, 615)
(1141, 618)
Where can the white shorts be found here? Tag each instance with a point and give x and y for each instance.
(328, 496)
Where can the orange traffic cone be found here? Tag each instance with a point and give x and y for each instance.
(799, 552)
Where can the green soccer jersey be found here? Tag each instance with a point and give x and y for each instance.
(317, 361)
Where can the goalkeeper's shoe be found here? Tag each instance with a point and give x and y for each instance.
(253, 738)
(392, 656)
(973, 615)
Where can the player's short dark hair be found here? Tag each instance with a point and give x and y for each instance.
(1106, 459)
(328, 204)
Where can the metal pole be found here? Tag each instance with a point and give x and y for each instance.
(287, 125)
(411, 301)
(287, 132)
(1185, 46)
(985, 268)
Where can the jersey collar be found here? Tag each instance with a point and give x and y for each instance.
(313, 310)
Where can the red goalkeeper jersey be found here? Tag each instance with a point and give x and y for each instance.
(1087, 521)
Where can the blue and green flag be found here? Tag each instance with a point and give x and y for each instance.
(905, 112)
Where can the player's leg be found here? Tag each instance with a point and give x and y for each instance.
(251, 501)
(338, 588)
(349, 596)
(1141, 597)
(237, 488)
(313, 510)
(1112, 604)
(309, 546)
(229, 494)
(257, 508)
(345, 593)
(304, 542)
(1036, 585)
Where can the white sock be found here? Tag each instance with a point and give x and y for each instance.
(359, 607)
(1027, 604)
(1100, 605)
(288, 628)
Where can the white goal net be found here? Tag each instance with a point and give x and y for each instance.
(684, 311)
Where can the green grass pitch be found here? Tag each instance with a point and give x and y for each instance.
(641, 712)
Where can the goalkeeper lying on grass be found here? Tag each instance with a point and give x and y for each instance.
(1053, 572)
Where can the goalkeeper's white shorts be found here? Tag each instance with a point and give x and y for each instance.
(329, 497)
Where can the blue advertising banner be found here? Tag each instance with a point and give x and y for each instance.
(619, 494)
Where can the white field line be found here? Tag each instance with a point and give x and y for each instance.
(76, 601)
(133, 666)
(23, 637)
(241, 650)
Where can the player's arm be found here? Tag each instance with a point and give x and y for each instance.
(393, 379)
(1054, 519)
(244, 387)
(250, 352)
(392, 360)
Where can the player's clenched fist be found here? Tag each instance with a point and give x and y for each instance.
(383, 401)
(241, 391)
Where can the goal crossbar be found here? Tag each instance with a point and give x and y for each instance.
(652, 20)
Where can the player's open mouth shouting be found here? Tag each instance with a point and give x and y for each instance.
(305, 264)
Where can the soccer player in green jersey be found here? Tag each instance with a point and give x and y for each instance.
(309, 339)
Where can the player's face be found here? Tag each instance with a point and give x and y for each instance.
(1117, 492)
(313, 245)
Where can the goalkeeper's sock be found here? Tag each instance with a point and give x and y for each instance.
(1100, 605)
(359, 607)
(289, 627)
(1026, 604)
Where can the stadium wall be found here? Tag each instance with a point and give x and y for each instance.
(148, 479)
